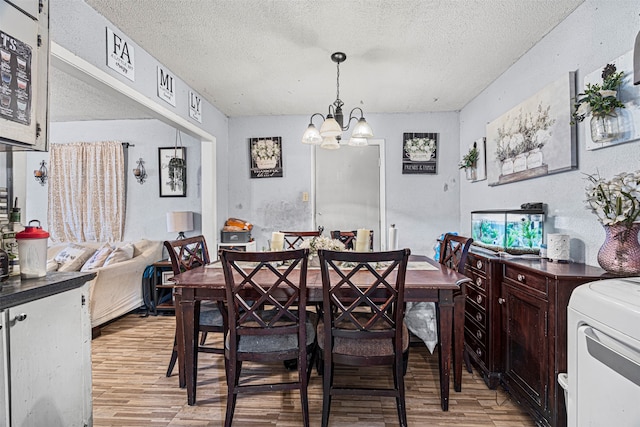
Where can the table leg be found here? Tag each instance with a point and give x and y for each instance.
(445, 326)
(185, 314)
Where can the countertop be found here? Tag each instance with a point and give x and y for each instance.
(16, 291)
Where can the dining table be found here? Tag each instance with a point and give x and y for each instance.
(426, 280)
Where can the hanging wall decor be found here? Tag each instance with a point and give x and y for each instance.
(419, 153)
(173, 171)
(535, 138)
(265, 157)
(628, 118)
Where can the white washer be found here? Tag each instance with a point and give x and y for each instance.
(603, 354)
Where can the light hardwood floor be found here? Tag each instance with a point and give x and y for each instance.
(130, 389)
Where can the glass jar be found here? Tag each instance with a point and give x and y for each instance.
(604, 128)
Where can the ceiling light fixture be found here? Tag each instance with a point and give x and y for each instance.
(330, 132)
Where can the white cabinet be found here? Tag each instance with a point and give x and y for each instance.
(47, 352)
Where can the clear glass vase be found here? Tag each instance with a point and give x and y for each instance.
(604, 128)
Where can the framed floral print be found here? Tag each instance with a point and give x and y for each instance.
(173, 171)
(265, 157)
(419, 153)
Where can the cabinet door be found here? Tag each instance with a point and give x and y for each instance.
(50, 361)
(525, 330)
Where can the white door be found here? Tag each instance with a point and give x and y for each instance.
(348, 189)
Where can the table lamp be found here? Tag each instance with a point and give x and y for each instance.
(179, 222)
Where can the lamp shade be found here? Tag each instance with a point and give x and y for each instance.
(179, 221)
(358, 142)
(362, 129)
(311, 135)
(330, 127)
(330, 143)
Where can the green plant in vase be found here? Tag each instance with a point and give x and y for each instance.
(601, 102)
(470, 162)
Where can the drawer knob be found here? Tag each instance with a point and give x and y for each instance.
(479, 335)
(521, 278)
(479, 264)
(501, 301)
(479, 281)
(479, 299)
(479, 317)
(20, 317)
(479, 352)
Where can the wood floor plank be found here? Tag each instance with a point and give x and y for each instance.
(130, 358)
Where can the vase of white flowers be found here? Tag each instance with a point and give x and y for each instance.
(320, 242)
(265, 153)
(616, 202)
(420, 149)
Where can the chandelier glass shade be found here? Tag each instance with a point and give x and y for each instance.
(330, 133)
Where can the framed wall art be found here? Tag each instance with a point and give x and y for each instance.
(265, 157)
(628, 118)
(419, 153)
(173, 171)
(535, 138)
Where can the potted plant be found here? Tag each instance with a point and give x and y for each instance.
(470, 163)
(600, 100)
(616, 202)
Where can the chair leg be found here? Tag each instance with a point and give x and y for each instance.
(203, 337)
(233, 374)
(398, 380)
(303, 372)
(327, 380)
(467, 361)
(174, 357)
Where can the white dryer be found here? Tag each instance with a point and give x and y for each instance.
(603, 354)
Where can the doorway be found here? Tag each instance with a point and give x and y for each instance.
(349, 189)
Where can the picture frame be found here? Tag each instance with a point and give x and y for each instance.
(265, 157)
(535, 138)
(172, 167)
(166, 275)
(420, 153)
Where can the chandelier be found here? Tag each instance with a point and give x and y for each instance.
(330, 132)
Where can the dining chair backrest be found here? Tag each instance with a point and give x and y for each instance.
(349, 238)
(293, 239)
(267, 320)
(454, 250)
(187, 253)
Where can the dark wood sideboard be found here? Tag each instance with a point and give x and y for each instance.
(516, 327)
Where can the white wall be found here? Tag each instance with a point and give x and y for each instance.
(421, 206)
(146, 210)
(596, 33)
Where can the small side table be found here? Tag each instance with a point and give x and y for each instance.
(161, 287)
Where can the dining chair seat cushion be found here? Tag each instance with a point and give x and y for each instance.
(362, 346)
(210, 315)
(276, 342)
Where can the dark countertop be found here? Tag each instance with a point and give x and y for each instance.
(16, 291)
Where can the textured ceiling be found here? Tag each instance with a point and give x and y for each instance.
(272, 57)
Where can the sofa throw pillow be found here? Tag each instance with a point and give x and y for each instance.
(97, 259)
(73, 257)
(123, 253)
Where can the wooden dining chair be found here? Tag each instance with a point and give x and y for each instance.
(363, 321)
(186, 254)
(349, 238)
(453, 254)
(268, 320)
(293, 239)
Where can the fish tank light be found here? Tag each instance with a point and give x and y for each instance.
(515, 231)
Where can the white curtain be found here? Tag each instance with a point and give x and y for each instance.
(87, 192)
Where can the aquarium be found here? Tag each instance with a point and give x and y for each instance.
(516, 231)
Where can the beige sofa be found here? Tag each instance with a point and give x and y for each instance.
(117, 288)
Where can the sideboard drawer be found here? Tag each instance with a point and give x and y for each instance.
(519, 277)
(477, 347)
(477, 314)
(477, 263)
(477, 297)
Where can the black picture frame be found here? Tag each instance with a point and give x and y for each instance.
(172, 180)
(415, 160)
(266, 146)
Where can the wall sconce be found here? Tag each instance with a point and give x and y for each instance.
(139, 172)
(41, 174)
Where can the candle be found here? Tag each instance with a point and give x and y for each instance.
(277, 241)
(362, 240)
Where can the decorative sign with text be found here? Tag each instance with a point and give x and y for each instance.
(166, 86)
(120, 55)
(419, 153)
(195, 107)
(265, 157)
(15, 86)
